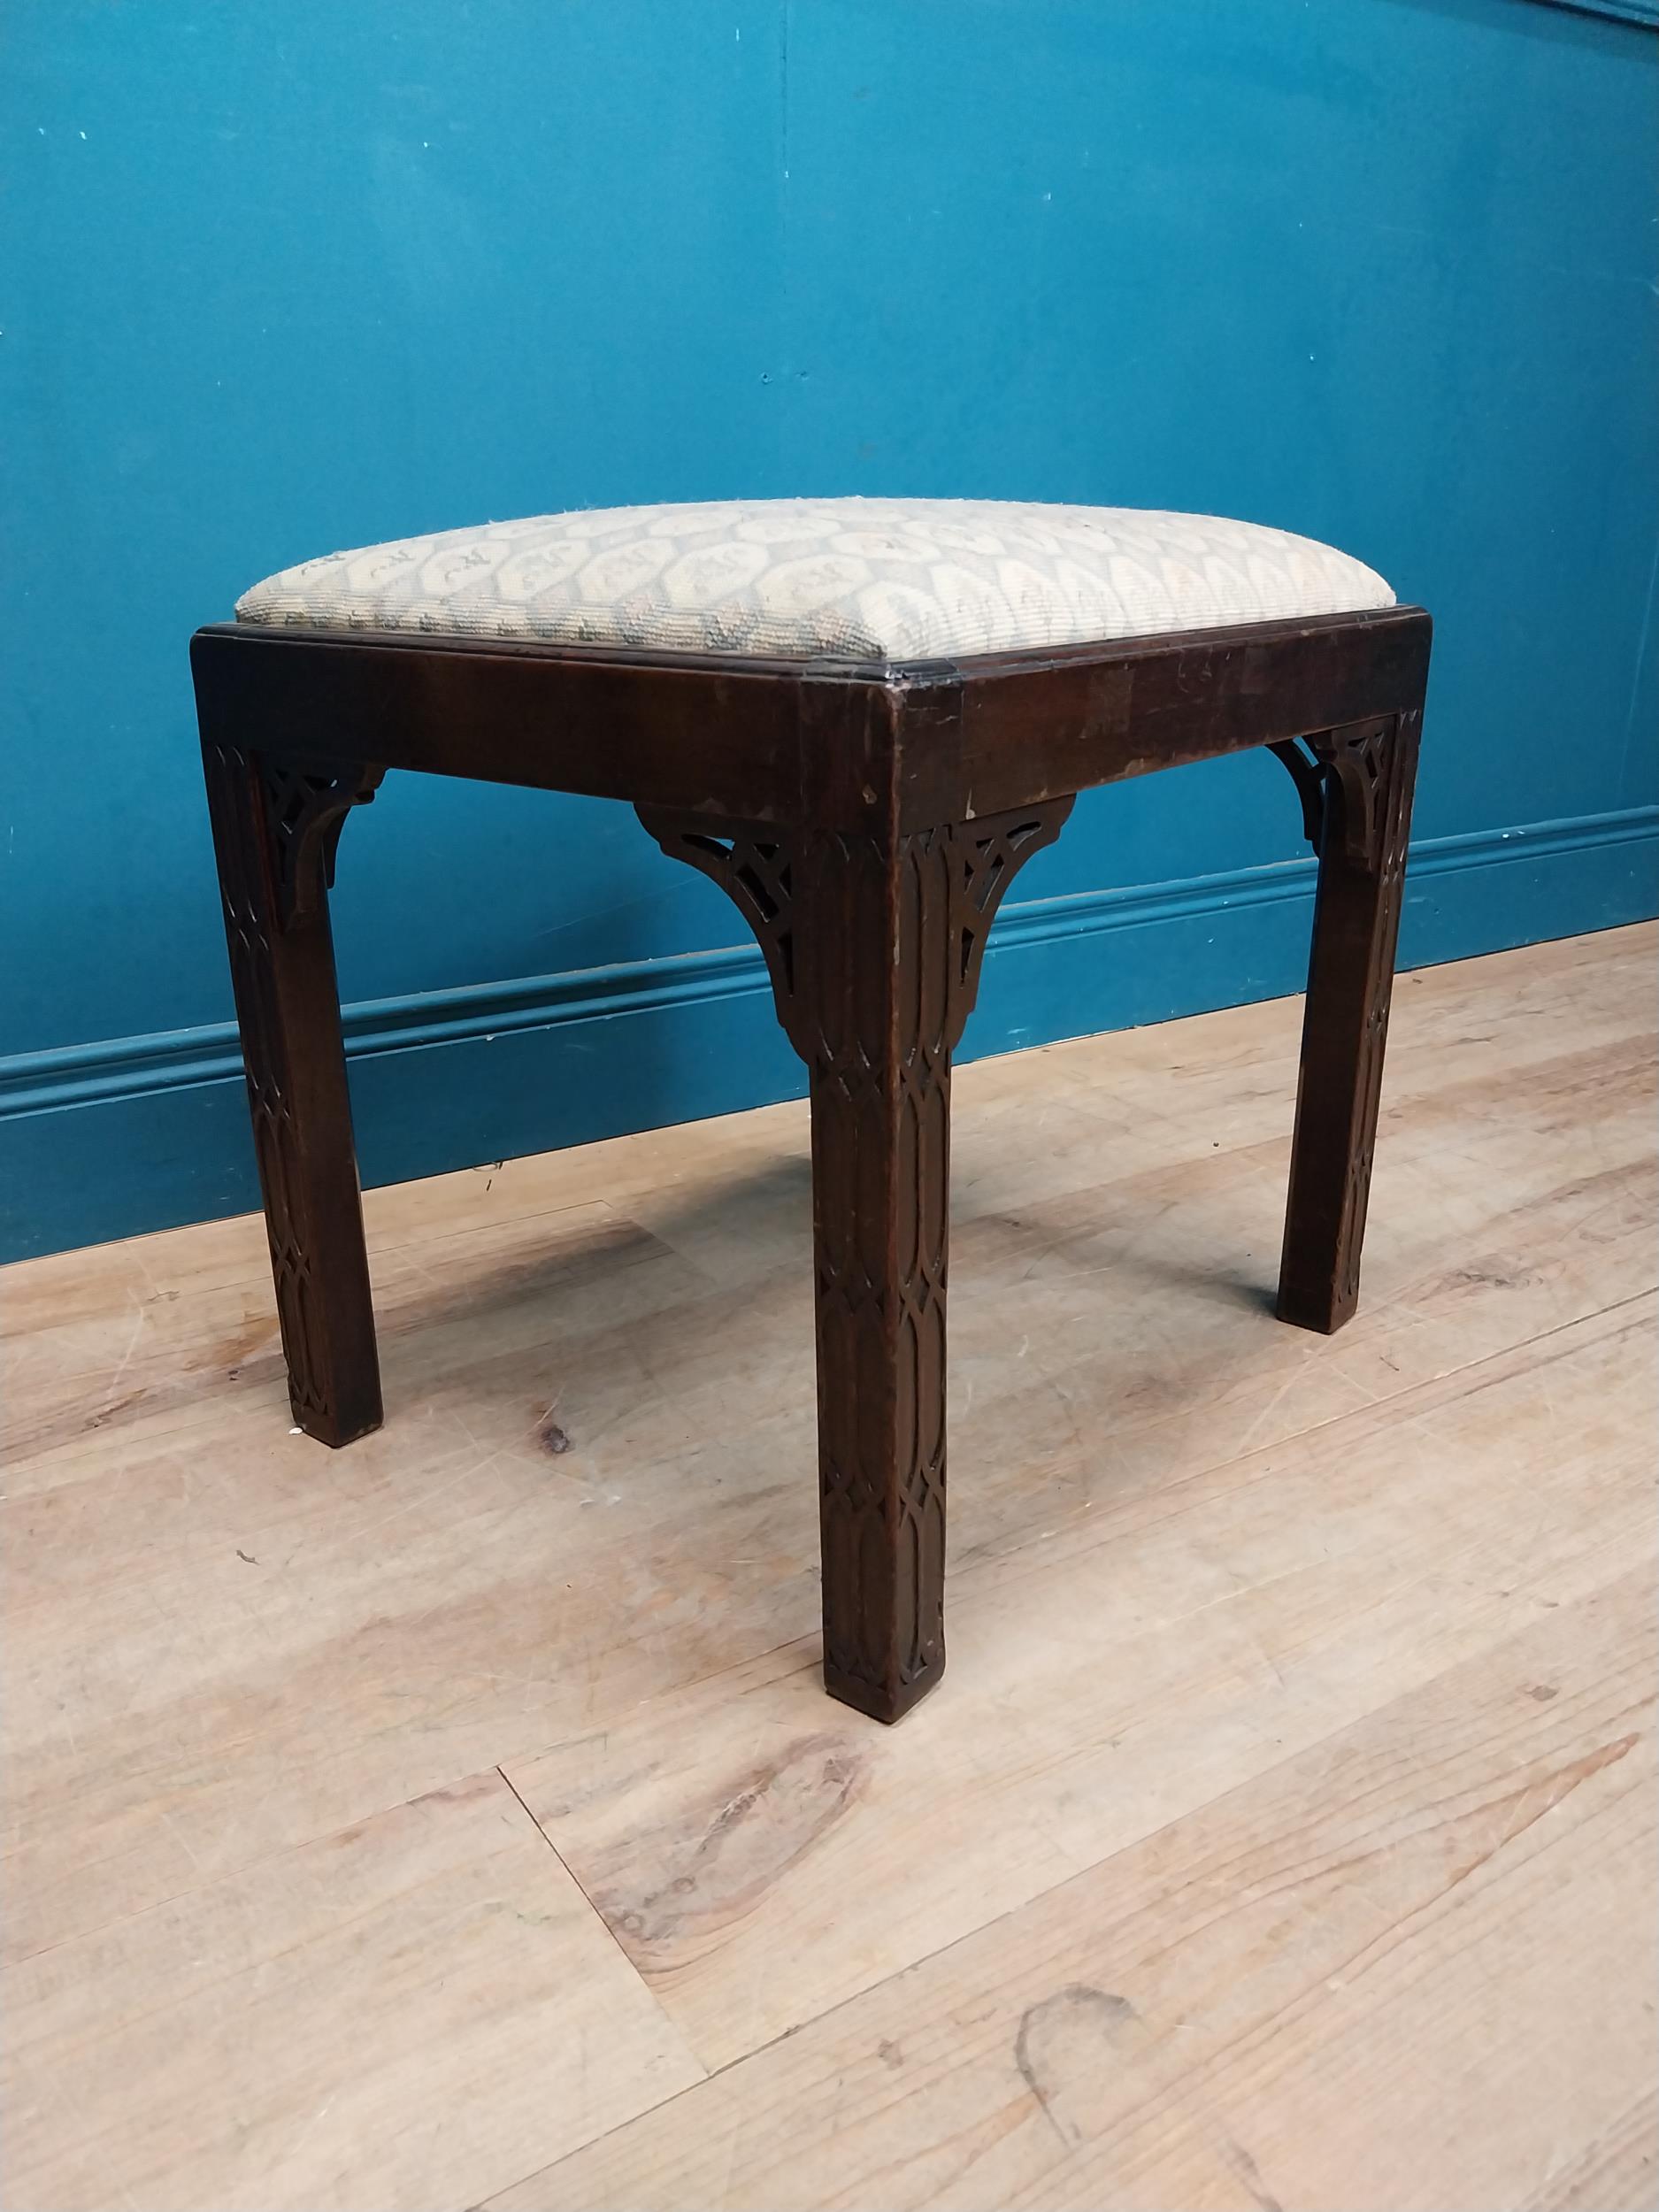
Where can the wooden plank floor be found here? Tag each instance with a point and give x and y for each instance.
(457, 1820)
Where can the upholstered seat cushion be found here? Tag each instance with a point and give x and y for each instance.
(874, 579)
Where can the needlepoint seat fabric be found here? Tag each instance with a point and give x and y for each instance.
(862, 579)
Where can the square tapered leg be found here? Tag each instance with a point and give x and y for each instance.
(272, 835)
(1368, 779)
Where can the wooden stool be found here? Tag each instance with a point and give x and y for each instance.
(859, 718)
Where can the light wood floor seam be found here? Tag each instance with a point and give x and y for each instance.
(803, 2061)
(1055, 1896)
(576, 1882)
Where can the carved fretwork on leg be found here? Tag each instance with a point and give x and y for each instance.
(1359, 821)
(275, 827)
(875, 948)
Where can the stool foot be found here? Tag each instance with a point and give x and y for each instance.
(882, 1703)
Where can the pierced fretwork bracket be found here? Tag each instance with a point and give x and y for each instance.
(989, 852)
(758, 870)
(306, 804)
(1309, 777)
(1338, 774)
(753, 868)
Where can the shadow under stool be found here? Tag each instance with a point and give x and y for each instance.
(860, 717)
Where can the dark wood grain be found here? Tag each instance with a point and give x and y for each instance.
(699, 734)
(816, 743)
(1037, 726)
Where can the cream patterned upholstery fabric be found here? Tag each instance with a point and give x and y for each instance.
(872, 579)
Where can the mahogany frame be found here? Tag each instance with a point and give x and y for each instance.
(867, 820)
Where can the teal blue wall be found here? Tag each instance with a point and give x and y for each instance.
(284, 275)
